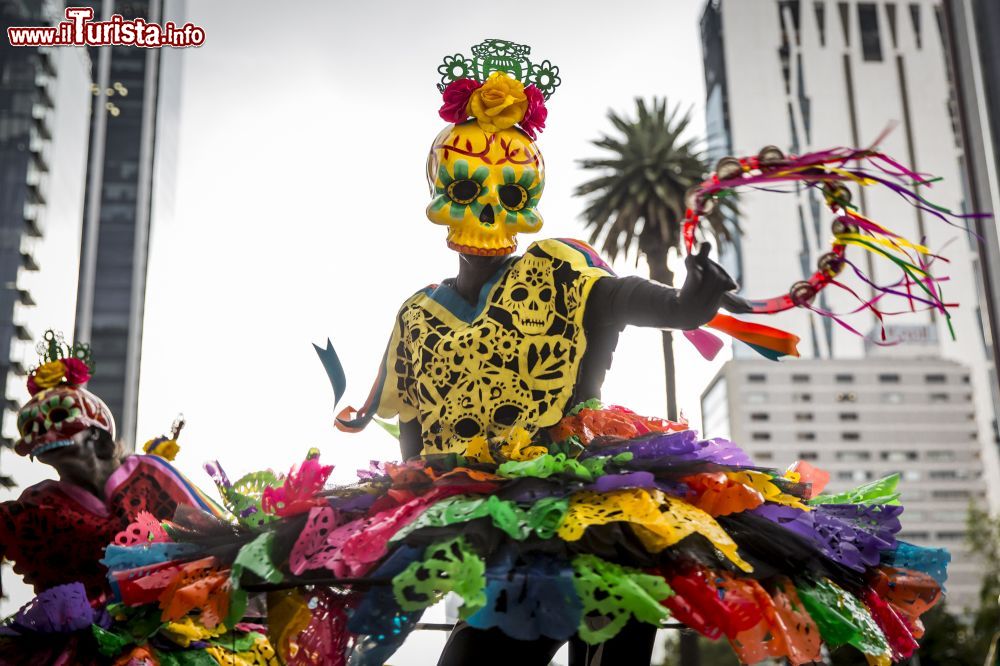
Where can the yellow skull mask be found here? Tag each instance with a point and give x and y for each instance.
(485, 187)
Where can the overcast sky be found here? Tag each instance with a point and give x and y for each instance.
(300, 199)
(300, 191)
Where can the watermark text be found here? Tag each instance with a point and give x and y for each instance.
(79, 29)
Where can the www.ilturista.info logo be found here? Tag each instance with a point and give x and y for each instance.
(80, 30)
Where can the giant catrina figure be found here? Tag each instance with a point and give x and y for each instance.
(552, 516)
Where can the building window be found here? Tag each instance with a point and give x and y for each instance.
(893, 398)
(803, 416)
(808, 455)
(756, 378)
(805, 436)
(850, 436)
(936, 378)
(755, 398)
(802, 397)
(888, 378)
(848, 416)
(820, 10)
(898, 456)
(854, 456)
(943, 474)
(793, 7)
(913, 536)
(844, 379)
(890, 10)
(847, 396)
(760, 416)
(951, 536)
(917, 27)
(761, 437)
(871, 42)
(763, 455)
(845, 476)
(800, 379)
(950, 494)
(965, 379)
(939, 397)
(947, 516)
(940, 455)
(845, 21)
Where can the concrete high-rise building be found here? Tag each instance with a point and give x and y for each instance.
(974, 58)
(129, 185)
(44, 106)
(862, 420)
(812, 74)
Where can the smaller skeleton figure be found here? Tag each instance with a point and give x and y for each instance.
(55, 533)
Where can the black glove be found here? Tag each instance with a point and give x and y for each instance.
(706, 285)
(736, 304)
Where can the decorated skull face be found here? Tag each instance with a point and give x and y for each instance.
(485, 187)
(54, 415)
(529, 295)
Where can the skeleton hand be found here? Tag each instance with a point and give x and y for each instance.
(705, 289)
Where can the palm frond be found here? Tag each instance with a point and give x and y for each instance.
(635, 202)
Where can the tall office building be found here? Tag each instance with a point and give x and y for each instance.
(44, 106)
(129, 186)
(970, 27)
(862, 420)
(811, 74)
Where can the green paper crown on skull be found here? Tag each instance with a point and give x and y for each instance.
(500, 55)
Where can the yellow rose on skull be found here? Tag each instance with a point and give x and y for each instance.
(50, 374)
(499, 103)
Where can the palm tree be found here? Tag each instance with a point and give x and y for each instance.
(637, 203)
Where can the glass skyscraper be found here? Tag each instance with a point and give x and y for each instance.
(43, 120)
(134, 123)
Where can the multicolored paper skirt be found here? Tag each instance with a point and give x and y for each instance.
(605, 518)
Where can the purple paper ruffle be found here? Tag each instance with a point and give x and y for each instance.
(880, 520)
(681, 446)
(838, 539)
(609, 482)
(60, 609)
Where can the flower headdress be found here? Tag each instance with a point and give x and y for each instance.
(60, 363)
(499, 87)
(59, 407)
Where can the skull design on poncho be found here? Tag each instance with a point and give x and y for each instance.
(485, 187)
(493, 399)
(529, 295)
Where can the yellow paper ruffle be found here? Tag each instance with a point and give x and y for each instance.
(288, 616)
(762, 483)
(659, 521)
(186, 629)
(262, 654)
(518, 446)
(478, 450)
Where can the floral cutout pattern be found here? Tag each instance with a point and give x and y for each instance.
(513, 365)
(499, 55)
